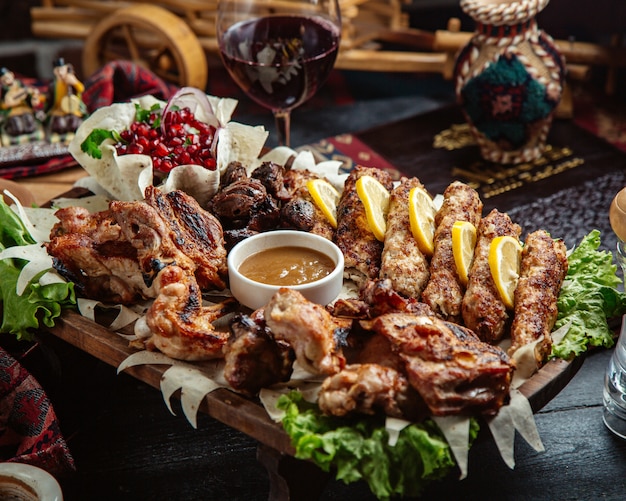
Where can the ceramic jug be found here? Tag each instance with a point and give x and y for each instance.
(509, 79)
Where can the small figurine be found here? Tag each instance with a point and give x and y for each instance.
(67, 109)
(19, 103)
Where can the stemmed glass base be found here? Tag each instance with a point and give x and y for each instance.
(283, 123)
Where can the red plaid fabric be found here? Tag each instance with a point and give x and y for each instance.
(29, 430)
(120, 81)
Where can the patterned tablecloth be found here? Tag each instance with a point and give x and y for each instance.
(29, 429)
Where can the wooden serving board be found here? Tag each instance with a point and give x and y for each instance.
(289, 478)
(247, 415)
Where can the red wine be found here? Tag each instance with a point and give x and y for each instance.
(280, 61)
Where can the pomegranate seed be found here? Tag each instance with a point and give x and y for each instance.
(167, 165)
(186, 140)
(135, 149)
(184, 158)
(161, 150)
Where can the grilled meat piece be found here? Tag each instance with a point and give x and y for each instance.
(449, 366)
(148, 233)
(245, 205)
(114, 255)
(235, 171)
(99, 226)
(402, 261)
(361, 250)
(368, 389)
(91, 251)
(367, 347)
(254, 360)
(483, 309)
(300, 212)
(196, 232)
(308, 328)
(181, 326)
(376, 298)
(444, 291)
(106, 271)
(542, 271)
(272, 177)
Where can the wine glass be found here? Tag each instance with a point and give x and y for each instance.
(279, 52)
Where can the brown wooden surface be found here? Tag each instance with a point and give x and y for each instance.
(47, 186)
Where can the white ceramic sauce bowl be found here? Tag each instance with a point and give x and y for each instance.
(255, 294)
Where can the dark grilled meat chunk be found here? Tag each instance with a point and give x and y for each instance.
(542, 271)
(245, 204)
(272, 177)
(254, 360)
(376, 298)
(300, 212)
(235, 171)
(449, 366)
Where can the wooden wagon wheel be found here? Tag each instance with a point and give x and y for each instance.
(151, 37)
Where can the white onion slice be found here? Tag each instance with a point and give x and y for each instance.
(194, 99)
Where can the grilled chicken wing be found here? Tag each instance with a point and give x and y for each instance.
(543, 269)
(181, 327)
(308, 328)
(402, 262)
(361, 250)
(444, 291)
(452, 370)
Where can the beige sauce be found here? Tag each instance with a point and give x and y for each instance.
(287, 266)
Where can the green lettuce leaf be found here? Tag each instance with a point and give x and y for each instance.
(358, 449)
(588, 297)
(38, 304)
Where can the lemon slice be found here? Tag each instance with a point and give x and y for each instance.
(463, 244)
(325, 197)
(422, 219)
(375, 199)
(505, 255)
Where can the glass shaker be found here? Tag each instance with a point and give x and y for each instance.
(614, 395)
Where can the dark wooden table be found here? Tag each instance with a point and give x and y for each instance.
(127, 445)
